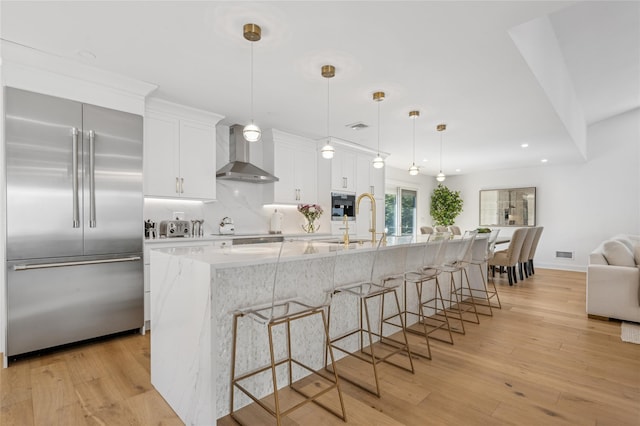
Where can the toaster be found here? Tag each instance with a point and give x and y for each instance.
(227, 227)
(175, 228)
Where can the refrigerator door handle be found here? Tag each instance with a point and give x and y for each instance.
(78, 263)
(92, 179)
(74, 179)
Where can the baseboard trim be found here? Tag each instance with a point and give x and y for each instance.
(599, 318)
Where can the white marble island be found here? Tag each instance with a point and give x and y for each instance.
(194, 291)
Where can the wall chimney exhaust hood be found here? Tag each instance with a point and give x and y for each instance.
(239, 167)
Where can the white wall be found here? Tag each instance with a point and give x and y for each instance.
(579, 205)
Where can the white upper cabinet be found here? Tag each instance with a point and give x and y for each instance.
(343, 171)
(369, 179)
(295, 164)
(179, 151)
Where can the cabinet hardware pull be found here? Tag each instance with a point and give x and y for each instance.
(74, 179)
(92, 179)
(182, 185)
(78, 263)
(177, 185)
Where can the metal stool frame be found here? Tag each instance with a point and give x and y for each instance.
(291, 310)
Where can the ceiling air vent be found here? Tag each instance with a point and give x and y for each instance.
(357, 126)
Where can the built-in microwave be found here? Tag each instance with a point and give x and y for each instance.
(343, 204)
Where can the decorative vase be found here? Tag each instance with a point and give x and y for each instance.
(310, 227)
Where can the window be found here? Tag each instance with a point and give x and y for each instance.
(400, 211)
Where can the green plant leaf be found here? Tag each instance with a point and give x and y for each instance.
(446, 205)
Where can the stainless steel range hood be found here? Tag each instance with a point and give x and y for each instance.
(239, 167)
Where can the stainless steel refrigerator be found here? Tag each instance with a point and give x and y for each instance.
(74, 221)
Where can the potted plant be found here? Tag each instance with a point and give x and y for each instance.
(446, 205)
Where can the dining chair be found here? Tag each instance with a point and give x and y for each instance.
(523, 259)
(509, 257)
(379, 347)
(455, 230)
(440, 228)
(534, 247)
(426, 230)
(289, 303)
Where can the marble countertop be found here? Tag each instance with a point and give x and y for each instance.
(219, 237)
(253, 254)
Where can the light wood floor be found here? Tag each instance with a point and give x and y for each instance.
(538, 361)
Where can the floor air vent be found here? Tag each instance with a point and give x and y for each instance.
(565, 254)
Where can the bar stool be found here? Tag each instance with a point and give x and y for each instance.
(363, 293)
(483, 264)
(461, 299)
(282, 312)
(429, 269)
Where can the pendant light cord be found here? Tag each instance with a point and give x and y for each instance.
(328, 116)
(414, 141)
(251, 82)
(379, 128)
(440, 152)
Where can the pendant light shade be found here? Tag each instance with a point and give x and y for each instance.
(251, 132)
(327, 151)
(441, 128)
(378, 162)
(252, 33)
(414, 170)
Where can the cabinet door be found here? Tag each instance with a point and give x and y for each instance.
(197, 160)
(161, 155)
(285, 190)
(295, 164)
(343, 171)
(363, 173)
(376, 181)
(306, 175)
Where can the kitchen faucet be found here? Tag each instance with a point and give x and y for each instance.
(373, 213)
(345, 238)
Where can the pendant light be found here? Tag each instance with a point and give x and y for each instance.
(327, 151)
(441, 128)
(378, 162)
(413, 170)
(252, 33)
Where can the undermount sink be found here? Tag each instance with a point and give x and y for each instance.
(351, 241)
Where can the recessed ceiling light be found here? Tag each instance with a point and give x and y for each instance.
(458, 170)
(424, 160)
(544, 160)
(525, 145)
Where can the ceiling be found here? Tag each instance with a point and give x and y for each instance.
(455, 62)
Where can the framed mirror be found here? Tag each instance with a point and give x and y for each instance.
(508, 207)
